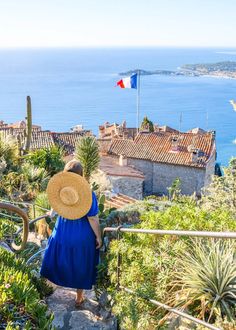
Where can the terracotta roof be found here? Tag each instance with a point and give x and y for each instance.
(15, 131)
(158, 147)
(110, 166)
(46, 139)
(68, 140)
(41, 139)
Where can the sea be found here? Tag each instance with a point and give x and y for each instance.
(77, 86)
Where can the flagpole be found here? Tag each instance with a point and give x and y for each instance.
(138, 99)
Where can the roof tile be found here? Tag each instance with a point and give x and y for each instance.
(158, 147)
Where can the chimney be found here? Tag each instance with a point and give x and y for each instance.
(194, 156)
(175, 143)
(122, 160)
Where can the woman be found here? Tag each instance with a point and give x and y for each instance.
(72, 254)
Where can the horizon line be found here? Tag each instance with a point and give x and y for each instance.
(115, 47)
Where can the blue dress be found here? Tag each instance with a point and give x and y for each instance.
(71, 257)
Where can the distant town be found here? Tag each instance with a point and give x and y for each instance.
(137, 163)
(225, 69)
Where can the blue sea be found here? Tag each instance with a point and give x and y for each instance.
(76, 86)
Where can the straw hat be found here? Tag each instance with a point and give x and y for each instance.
(69, 195)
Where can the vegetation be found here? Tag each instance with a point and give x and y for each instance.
(88, 154)
(9, 154)
(22, 178)
(222, 191)
(175, 189)
(147, 125)
(196, 275)
(20, 295)
(207, 275)
(50, 159)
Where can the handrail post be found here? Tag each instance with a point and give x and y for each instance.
(34, 211)
(118, 234)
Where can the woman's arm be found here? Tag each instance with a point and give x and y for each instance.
(94, 223)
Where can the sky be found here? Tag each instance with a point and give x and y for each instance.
(117, 23)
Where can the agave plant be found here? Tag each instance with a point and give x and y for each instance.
(207, 279)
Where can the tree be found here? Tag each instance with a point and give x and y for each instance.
(222, 191)
(147, 125)
(87, 153)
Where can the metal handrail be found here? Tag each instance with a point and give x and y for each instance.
(24, 203)
(172, 310)
(23, 215)
(209, 234)
(31, 222)
(34, 256)
(9, 216)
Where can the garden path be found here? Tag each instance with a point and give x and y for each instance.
(90, 316)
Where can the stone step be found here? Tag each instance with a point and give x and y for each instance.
(131, 199)
(119, 201)
(89, 316)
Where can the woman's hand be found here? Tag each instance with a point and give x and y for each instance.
(98, 242)
(51, 214)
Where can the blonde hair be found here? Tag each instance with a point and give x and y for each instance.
(74, 166)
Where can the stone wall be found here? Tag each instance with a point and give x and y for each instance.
(129, 186)
(192, 179)
(103, 145)
(146, 167)
(160, 176)
(210, 170)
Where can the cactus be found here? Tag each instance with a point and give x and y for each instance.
(28, 131)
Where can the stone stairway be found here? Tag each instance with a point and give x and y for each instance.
(89, 316)
(118, 201)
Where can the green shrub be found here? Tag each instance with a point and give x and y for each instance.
(221, 193)
(25, 183)
(150, 263)
(9, 152)
(20, 298)
(7, 228)
(50, 159)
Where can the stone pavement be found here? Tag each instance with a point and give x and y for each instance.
(90, 316)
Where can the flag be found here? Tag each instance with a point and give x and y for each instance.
(128, 82)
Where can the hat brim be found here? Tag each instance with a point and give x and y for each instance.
(80, 185)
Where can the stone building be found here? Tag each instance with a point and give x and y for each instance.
(43, 139)
(166, 155)
(123, 179)
(110, 131)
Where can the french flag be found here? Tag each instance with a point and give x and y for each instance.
(128, 82)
